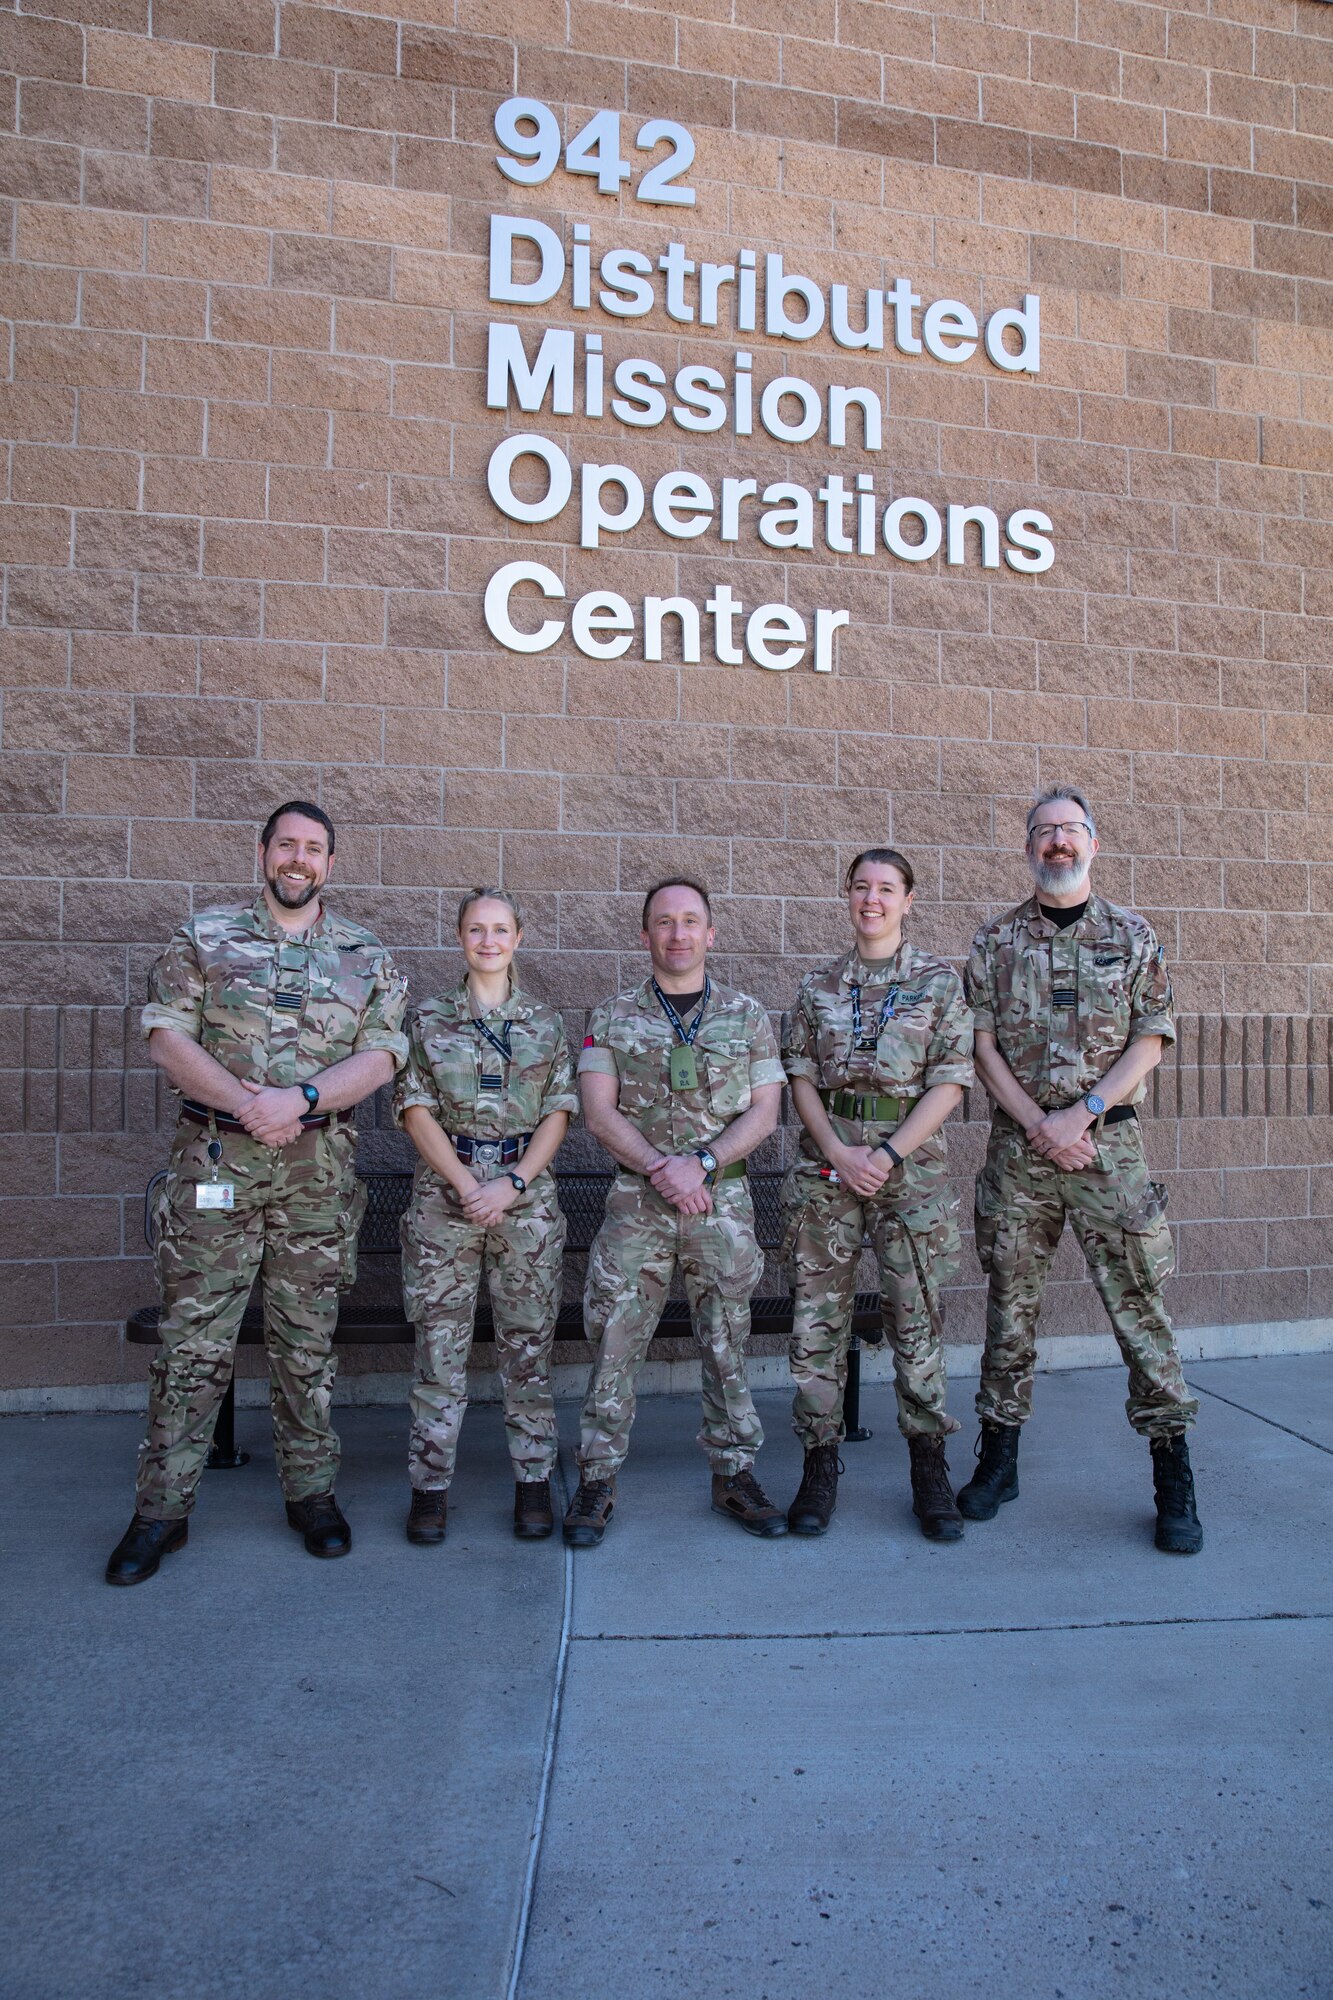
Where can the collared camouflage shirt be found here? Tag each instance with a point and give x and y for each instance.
(272, 1007)
(1064, 1005)
(465, 1082)
(916, 1027)
(735, 1049)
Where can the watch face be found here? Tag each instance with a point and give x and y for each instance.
(1095, 1104)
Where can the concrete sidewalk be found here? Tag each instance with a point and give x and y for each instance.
(1047, 1762)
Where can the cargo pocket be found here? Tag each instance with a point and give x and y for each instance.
(936, 1244)
(986, 1219)
(350, 1224)
(1148, 1247)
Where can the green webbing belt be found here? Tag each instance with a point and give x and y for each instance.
(868, 1110)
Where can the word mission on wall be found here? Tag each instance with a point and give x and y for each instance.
(533, 368)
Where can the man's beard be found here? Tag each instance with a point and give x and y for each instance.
(292, 899)
(1060, 878)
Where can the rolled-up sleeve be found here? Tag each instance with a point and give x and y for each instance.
(597, 1057)
(978, 986)
(558, 1092)
(1151, 1001)
(799, 1043)
(176, 988)
(765, 1062)
(415, 1083)
(382, 1023)
(950, 1056)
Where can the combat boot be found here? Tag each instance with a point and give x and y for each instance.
(142, 1546)
(320, 1519)
(1178, 1530)
(817, 1495)
(533, 1519)
(742, 1497)
(932, 1495)
(996, 1477)
(590, 1513)
(428, 1516)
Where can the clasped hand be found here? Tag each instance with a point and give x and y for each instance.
(1063, 1138)
(864, 1169)
(682, 1181)
(272, 1116)
(486, 1201)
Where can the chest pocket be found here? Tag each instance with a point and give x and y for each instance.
(641, 1061)
(529, 1068)
(337, 992)
(724, 1057)
(453, 1068)
(1104, 996)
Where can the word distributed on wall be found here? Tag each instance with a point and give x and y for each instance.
(532, 479)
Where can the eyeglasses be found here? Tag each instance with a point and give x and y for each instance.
(1068, 828)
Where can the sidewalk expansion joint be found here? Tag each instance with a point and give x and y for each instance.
(948, 1631)
(1246, 1411)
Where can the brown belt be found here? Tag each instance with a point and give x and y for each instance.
(200, 1115)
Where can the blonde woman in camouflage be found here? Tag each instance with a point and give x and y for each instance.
(878, 1051)
(486, 1099)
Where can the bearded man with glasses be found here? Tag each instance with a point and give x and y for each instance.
(1073, 1009)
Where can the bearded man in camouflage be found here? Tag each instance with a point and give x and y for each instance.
(680, 1080)
(270, 1019)
(1073, 1008)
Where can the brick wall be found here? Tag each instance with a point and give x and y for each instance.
(247, 533)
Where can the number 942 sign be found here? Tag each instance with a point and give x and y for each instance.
(531, 132)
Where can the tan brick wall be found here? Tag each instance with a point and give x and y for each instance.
(247, 533)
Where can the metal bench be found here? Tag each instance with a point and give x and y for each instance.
(372, 1312)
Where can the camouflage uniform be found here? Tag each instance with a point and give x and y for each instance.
(275, 1009)
(644, 1238)
(445, 1255)
(912, 1222)
(1064, 1005)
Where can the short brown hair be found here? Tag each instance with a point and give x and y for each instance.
(676, 882)
(888, 857)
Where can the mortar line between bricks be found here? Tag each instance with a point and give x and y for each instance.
(950, 1631)
(1246, 1411)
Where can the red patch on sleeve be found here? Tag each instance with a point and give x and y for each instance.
(588, 1042)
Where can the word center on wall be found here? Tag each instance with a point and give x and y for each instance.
(566, 372)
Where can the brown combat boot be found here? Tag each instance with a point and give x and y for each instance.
(533, 1519)
(744, 1499)
(428, 1516)
(932, 1495)
(590, 1512)
(817, 1495)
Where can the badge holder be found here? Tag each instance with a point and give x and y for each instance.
(684, 1068)
(213, 1193)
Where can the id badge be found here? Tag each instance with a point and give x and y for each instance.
(684, 1068)
(214, 1194)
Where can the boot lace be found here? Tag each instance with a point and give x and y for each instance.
(748, 1487)
(931, 1474)
(819, 1481)
(1174, 1483)
(588, 1500)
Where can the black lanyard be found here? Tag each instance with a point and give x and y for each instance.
(500, 1042)
(686, 1035)
(886, 1013)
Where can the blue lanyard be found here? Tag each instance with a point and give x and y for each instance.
(686, 1035)
(500, 1042)
(886, 1013)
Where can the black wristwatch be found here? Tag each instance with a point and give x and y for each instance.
(885, 1147)
(707, 1160)
(519, 1183)
(310, 1094)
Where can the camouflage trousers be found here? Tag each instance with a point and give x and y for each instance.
(445, 1258)
(639, 1246)
(294, 1223)
(912, 1225)
(1118, 1216)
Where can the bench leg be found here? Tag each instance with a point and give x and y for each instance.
(853, 1430)
(222, 1453)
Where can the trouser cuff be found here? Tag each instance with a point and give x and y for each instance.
(726, 1464)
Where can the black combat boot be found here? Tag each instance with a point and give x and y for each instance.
(1178, 1529)
(533, 1519)
(817, 1495)
(142, 1546)
(996, 1477)
(428, 1516)
(932, 1495)
(320, 1519)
